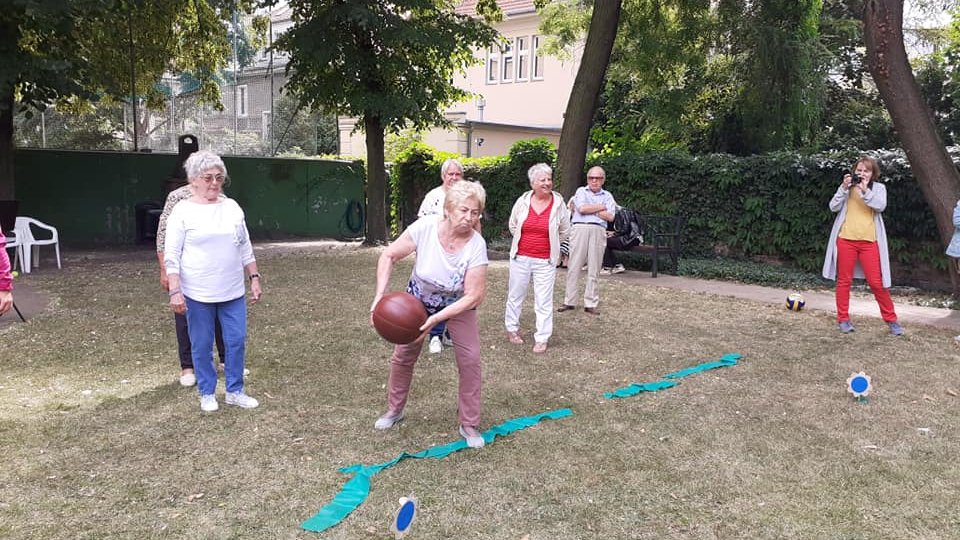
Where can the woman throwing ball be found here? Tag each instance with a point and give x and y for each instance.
(450, 279)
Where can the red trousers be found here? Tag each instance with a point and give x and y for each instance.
(849, 252)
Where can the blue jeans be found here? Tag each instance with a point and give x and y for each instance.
(201, 319)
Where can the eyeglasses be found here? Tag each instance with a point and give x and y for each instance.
(219, 178)
(595, 178)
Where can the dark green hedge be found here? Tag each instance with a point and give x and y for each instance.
(772, 205)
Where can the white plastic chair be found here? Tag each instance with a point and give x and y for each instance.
(30, 245)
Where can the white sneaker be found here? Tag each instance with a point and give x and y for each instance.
(208, 403)
(241, 400)
(188, 379)
(446, 340)
(472, 436)
(435, 346)
(618, 269)
(388, 419)
(605, 271)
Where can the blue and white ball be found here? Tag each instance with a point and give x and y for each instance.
(795, 302)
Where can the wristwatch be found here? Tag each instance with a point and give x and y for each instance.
(254, 275)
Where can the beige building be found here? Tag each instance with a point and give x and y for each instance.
(518, 92)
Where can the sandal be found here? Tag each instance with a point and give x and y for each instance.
(540, 347)
(515, 338)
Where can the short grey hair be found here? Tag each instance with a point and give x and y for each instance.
(537, 170)
(446, 166)
(463, 190)
(202, 160)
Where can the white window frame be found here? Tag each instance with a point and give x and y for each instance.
(492, 65)
(522, 55)
(243, 95)
(537, 63)
(507, 62)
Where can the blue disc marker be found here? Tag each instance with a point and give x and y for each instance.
(859, 385)
(404, 518)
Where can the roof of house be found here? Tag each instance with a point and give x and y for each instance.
(509, 7)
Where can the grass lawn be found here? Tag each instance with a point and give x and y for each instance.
(99, 441)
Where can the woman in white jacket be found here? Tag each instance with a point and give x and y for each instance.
(858, 243)
(539, 222)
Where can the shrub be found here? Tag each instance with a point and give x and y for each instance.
(771, 205)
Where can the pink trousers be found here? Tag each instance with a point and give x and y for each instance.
(465, 332)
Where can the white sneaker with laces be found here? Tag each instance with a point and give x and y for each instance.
(188, 379)
(388, 419)
(618, 269)
(435, 346)
(241, 400)
(605, 271)
(208, 403)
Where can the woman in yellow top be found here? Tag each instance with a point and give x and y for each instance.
(858, 243)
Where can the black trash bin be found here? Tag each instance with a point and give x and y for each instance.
(147, 219)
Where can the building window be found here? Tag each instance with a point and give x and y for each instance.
(506, 55)
(523, 58)
(537, 59)
(493, 64)
(242, 100)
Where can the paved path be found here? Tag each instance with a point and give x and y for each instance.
(29, 301)
(824, 301)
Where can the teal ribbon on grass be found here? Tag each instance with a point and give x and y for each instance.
(356, 490)
(636, 388)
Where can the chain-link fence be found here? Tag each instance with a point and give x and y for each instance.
(257, 119)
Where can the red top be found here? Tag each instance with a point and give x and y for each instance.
(6, 280)
(535, 234)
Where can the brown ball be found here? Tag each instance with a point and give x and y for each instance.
(398, 317)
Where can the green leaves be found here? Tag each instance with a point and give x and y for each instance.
(392, 61)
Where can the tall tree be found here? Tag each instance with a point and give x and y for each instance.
(582, 104)
(389, 64)
(38, 40)
(887, 60)
(50, 51)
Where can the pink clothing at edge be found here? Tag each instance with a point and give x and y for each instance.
(466, 342)
(6, 279)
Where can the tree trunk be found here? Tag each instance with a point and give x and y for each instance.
(376, 183)
(7, 182)
(10, 34)
(585, 94)
(888, 64)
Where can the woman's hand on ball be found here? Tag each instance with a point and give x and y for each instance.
(432, 320)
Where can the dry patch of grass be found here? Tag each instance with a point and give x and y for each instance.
(98, 440)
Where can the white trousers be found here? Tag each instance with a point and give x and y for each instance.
(543, 274)
(587, 243)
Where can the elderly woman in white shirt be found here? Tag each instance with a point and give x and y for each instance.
(206, 252)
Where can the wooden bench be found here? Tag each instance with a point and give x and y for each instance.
(661, 237)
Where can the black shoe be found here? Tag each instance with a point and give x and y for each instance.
(565, 307)
(592, 310)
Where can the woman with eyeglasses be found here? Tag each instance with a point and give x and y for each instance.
(187, 374)
(206, 251)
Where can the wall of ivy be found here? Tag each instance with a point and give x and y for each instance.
(772, 205)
